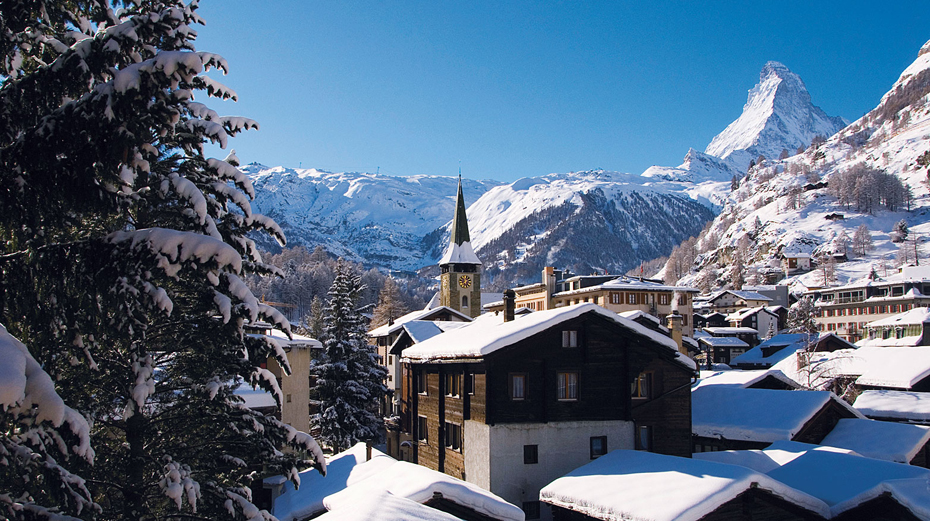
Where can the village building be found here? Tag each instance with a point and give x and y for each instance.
(746, 334)
(910, 328)
(720, 349)
(636, 485)
(889, 441)
(711, 319)
(616, 293)
(795, 262)
(296, 406)
(777, 292)
(729, 301)
(846, 310)
(511, 403)
(893, 368)
(729, 417)
(362, 483)
(763, 320)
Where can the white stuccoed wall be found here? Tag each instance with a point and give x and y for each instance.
(494, 454)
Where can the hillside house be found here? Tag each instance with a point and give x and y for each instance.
(728, 417)
(720, 350)
(846, 310)
(729, 301)
(746, 334)
(796, 262)
(512, 403)
(761, 319)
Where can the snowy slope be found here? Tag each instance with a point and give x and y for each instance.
(783, 206)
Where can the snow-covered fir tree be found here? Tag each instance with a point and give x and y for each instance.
(350, 380)
(121, 262)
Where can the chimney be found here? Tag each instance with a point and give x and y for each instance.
(548, 278)
(509, 304)
(674, 325)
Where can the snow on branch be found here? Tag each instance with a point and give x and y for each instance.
(227, 171)
(27, 389)
(173, 247)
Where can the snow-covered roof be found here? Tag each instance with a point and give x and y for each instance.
(768, 459)
(841, 478)
(255, 397)
(490, 333)
(743, 379)
(638, 313)
(763, 415)
(421, 314)
(745, 295)
(845, 481)
(460, 254)
(792, 343)
(386, 507)
(747, 312)
(910, 317)
(903, 405)
(293, 505)
(889, 441)
(625, 283)
(722, 331)
(723, 341)
(299, 341)
(896, 367)
(626, 484)
(418, 483)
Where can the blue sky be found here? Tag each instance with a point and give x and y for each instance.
(515, 89)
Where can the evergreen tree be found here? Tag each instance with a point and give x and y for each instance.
(121, 255)
(390, 304)
(899, 231)
(350, 380)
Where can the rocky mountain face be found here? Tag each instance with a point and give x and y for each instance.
(869, 176)
(778, 116)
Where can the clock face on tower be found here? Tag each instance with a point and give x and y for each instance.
(465, 281)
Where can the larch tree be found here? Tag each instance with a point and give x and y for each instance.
(862, 240)
(390, 304)
(350, 379)
(122, 252)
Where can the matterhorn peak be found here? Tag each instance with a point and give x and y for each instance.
(778, 115)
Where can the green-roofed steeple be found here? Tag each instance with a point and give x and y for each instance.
(460, 221)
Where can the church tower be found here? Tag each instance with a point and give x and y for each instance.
(460, 267)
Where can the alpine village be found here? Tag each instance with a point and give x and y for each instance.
(745, 336)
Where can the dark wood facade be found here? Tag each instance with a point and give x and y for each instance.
(606, 361)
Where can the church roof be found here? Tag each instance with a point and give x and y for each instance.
(460, 250)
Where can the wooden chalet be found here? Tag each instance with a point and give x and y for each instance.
(512, 403)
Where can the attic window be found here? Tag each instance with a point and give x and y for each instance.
(641, 387)
(570, 338)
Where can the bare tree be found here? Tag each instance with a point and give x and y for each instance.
(862, 240)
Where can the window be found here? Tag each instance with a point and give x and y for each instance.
(631, 298)
(683, 300)
(288, 399)
(453, 436)
(390, 359)
(569, 338)
(531, 509)
(517, 386)
(530, 454)
(453, 384)
(567, 386)
(642, 386)
(616, 298)
(663, 299)
(421, 381)
(470, 384)
(422, 429)
(644, 437)
(464, 302)
(598, 446)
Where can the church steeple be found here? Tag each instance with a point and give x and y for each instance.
(460, 267)
(460, 221)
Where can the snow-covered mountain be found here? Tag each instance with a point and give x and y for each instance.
(873, 173)
(778, 116)
(585, 220)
